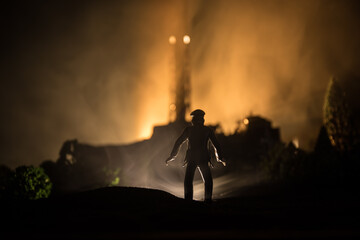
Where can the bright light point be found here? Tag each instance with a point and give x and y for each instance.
(246, 121)
(172, 107)
(186, 39)
(172, 39)
(295, 141)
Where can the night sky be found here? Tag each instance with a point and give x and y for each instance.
(99, 71)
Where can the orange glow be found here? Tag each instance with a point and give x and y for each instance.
(238, 71)
(146, 131)
(172, 39)
(295, 141)
(172, 107)
(186, 39)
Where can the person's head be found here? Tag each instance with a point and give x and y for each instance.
(197, 117)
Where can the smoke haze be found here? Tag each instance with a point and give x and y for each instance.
(99, 71)
(272, 58)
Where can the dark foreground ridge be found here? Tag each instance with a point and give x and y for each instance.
(261, 212)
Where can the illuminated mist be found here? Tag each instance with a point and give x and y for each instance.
(142, 165)
(99, 71)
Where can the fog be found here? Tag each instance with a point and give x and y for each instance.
(99, 71)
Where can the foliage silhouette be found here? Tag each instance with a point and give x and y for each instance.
(31, 183)
(338, 118)
(335, 158)
(285, 163)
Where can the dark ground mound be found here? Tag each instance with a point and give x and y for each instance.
(261, 212)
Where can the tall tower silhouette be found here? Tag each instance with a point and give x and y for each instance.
(180, 94)
(180, 68)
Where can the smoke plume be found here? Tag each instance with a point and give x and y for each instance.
(99, 70)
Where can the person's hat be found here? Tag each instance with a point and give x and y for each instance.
(197, 113)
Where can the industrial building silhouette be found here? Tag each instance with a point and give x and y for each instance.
(142, 163)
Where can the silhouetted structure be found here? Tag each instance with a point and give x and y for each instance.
(83, 166)
(180, 101)
(250, 142)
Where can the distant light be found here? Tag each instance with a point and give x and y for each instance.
(172, 39)
(172, 107)
(246, 121)
(186, 39)
(296, 143)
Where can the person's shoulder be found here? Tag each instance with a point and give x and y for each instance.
(187, 129)
(209, 129)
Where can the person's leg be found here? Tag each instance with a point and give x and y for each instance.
(188, 182)
(207, 177)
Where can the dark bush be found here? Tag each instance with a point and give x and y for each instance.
(286, 163)
(31, 183)
(6, 179)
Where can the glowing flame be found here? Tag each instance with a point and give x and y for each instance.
(172, 39)
(186, 39)
(295, 141)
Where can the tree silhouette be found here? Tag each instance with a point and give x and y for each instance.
(338, 118)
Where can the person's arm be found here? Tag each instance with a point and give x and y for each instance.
(177, 145)
(216, 144)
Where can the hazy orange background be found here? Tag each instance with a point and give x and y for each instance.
(99, 71)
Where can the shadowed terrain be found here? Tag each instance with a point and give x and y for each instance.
(259, 212)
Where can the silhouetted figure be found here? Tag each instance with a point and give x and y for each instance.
(197, 155)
